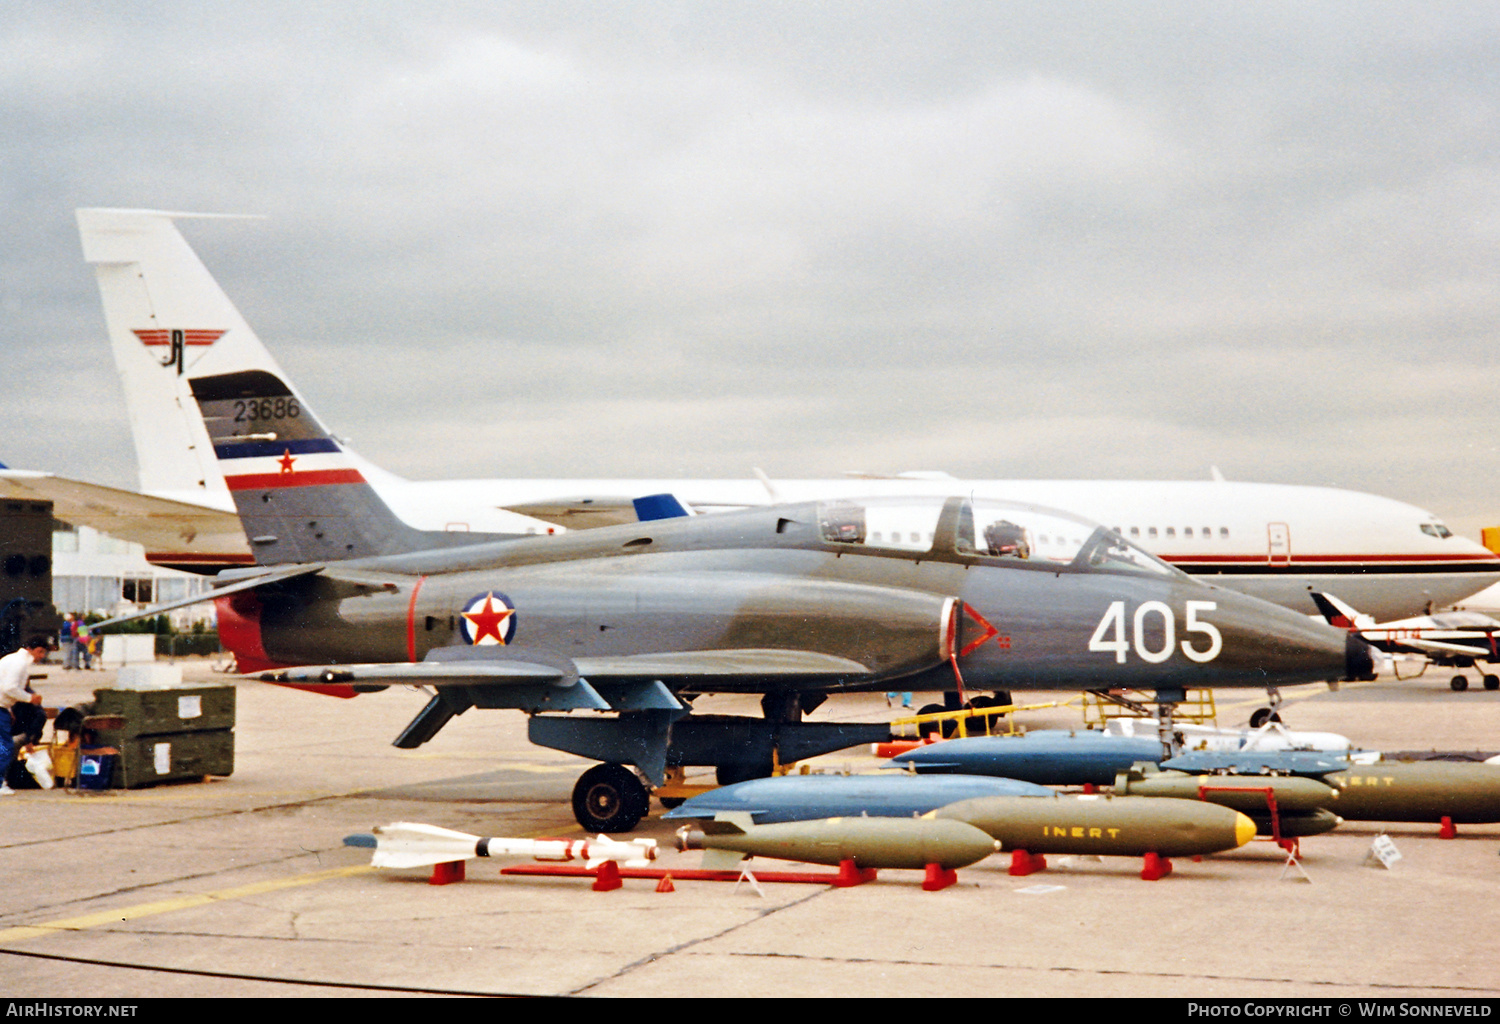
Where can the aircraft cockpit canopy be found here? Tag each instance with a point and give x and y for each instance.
(990, 531)
(1436, 529)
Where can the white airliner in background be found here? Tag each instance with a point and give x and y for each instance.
(168, 321)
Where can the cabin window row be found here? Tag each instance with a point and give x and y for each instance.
(1170, 533)
(1150, 533)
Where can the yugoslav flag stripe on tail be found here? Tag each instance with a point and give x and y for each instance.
(311, 478)
(294, 462)
(276, 449)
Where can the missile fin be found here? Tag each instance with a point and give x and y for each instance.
(728, 823)
(722, 860)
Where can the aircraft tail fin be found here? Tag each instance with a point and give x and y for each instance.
(1340, 614)
(167, 318)
(300, 495)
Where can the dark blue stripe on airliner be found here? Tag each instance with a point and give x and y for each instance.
(261, 449)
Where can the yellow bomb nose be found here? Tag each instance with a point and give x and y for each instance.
(1244, 830)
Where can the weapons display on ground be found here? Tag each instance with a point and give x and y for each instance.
(412, 845)
(1118, 826)
(884, 795)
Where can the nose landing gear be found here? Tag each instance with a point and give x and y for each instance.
(1260, 716)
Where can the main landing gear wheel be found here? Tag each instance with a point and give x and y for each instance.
(1261, 716)
(928, 728)
(1492, 682)
(988, 723)
(609, 798)
(1458, 684)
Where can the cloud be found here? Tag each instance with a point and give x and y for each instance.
(659, 238)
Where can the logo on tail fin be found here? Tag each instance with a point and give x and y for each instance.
(176, 340)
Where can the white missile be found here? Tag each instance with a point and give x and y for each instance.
(409, 845)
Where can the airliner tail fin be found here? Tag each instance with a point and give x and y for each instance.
(167, 320)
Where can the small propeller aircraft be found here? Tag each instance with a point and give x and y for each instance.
(1457, 639)
(793, 602)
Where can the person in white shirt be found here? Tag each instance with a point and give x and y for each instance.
(15, 669)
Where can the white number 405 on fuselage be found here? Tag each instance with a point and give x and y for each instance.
(1109, 635)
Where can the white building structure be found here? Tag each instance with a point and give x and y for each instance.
(94, 572)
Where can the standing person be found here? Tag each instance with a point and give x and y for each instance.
(69, 637)
(14, 670)
(87, 643)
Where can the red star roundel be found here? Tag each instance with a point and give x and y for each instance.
(488, 619)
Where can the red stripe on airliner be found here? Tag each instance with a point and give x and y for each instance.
(311, 478)
(198, 557)
(1323, 559)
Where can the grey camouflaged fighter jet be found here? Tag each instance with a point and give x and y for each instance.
(794, 602)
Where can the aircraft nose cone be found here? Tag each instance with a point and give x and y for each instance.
(1359, 658)
(1266, 644)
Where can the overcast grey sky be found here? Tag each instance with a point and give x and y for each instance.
(687, 239)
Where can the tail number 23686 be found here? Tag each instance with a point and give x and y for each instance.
(1110, 634)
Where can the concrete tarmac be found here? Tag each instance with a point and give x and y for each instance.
(241, 886)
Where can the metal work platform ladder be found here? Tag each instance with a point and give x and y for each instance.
(1099, 708)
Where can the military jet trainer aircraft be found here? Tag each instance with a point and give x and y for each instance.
(794, 602)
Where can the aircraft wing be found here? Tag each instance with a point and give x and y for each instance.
(581, 513)
(723, 667)
(1477, 649)
(535, 681)
(425, 673)
(174, 533)
(587, 512)
(675, 668)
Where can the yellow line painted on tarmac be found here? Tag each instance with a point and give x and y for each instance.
(189, 794)
(520, 766)
(106, 917)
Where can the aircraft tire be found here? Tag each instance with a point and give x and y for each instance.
(1260, 716)
(928, 728)
(1491, 681)
(609, 798)
(1458, 684)
(989, 723)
